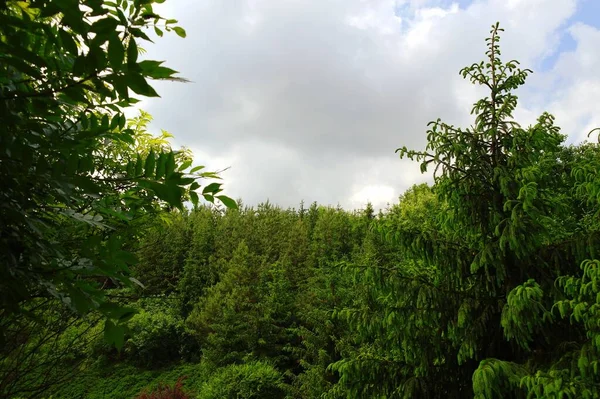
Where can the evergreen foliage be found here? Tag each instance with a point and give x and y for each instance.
(485, 284)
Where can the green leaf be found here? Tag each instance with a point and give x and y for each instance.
(137, 32)
(150, 164)
(194, 197)
(116, 52)
(130, 169)
(76, 93)
(72, 163)
(212, 188)
(197, 168)
(68, 42)
(170, 164)
(120, 84)
(161, 166)
(132, 53)
(154, 70)
(180, 31)
(228, 202)
(22, 66)
(166, 192)
(105, 124)
(104, 26)
(115, 311)
(115, 121)
(138, 84)
(185, 165)
(129, 313)
(78, 300)
(183, 181)
(114, 334)
(139, 165)
(82, 65)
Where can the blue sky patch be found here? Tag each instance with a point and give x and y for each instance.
(588, 12)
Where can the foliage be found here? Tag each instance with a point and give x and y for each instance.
(77, 176)
(46, 347)
(245, 312)
(161, 253)
(69, 156)
(484, 284)
(124, 381)
(158, 335)
(251, 380)
(466, 310)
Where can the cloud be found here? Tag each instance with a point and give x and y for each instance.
(309, 99)
(576, 103)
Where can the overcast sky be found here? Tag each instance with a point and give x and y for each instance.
(307, 100)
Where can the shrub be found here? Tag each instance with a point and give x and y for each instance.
(158, 335)
(250, 381)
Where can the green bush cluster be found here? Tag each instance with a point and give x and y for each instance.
(254, 380)
(158, 336)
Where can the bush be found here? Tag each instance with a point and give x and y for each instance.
(250, 381)
(159, 336)
(164, 391)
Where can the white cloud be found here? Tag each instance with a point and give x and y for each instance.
(309, 99)
(378, 194)
(571, 89)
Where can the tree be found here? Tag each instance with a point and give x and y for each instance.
(247, 312)
(468, 309)
(69, 158)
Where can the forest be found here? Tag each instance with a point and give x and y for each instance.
(126, 272)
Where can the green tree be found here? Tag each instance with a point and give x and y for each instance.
(467, 310)
(162, 251)
(199, 272)
(246, 313)
(70, 160)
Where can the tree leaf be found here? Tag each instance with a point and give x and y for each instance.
(161, 166)
(114, 334)
(139, 165)
(104, 26)
(116, 52)
(170, 164)
(150, 164)
(138, 84)
(212, 188)
(68, 42)
(194, 198)
(132, 53)
(185, 165)
(180, 31)
(228, 202)
(154, 70)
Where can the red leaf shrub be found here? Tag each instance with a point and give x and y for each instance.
(164, 391)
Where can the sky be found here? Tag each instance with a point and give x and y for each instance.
(308, 100)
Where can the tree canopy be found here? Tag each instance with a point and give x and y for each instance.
(76, 176)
